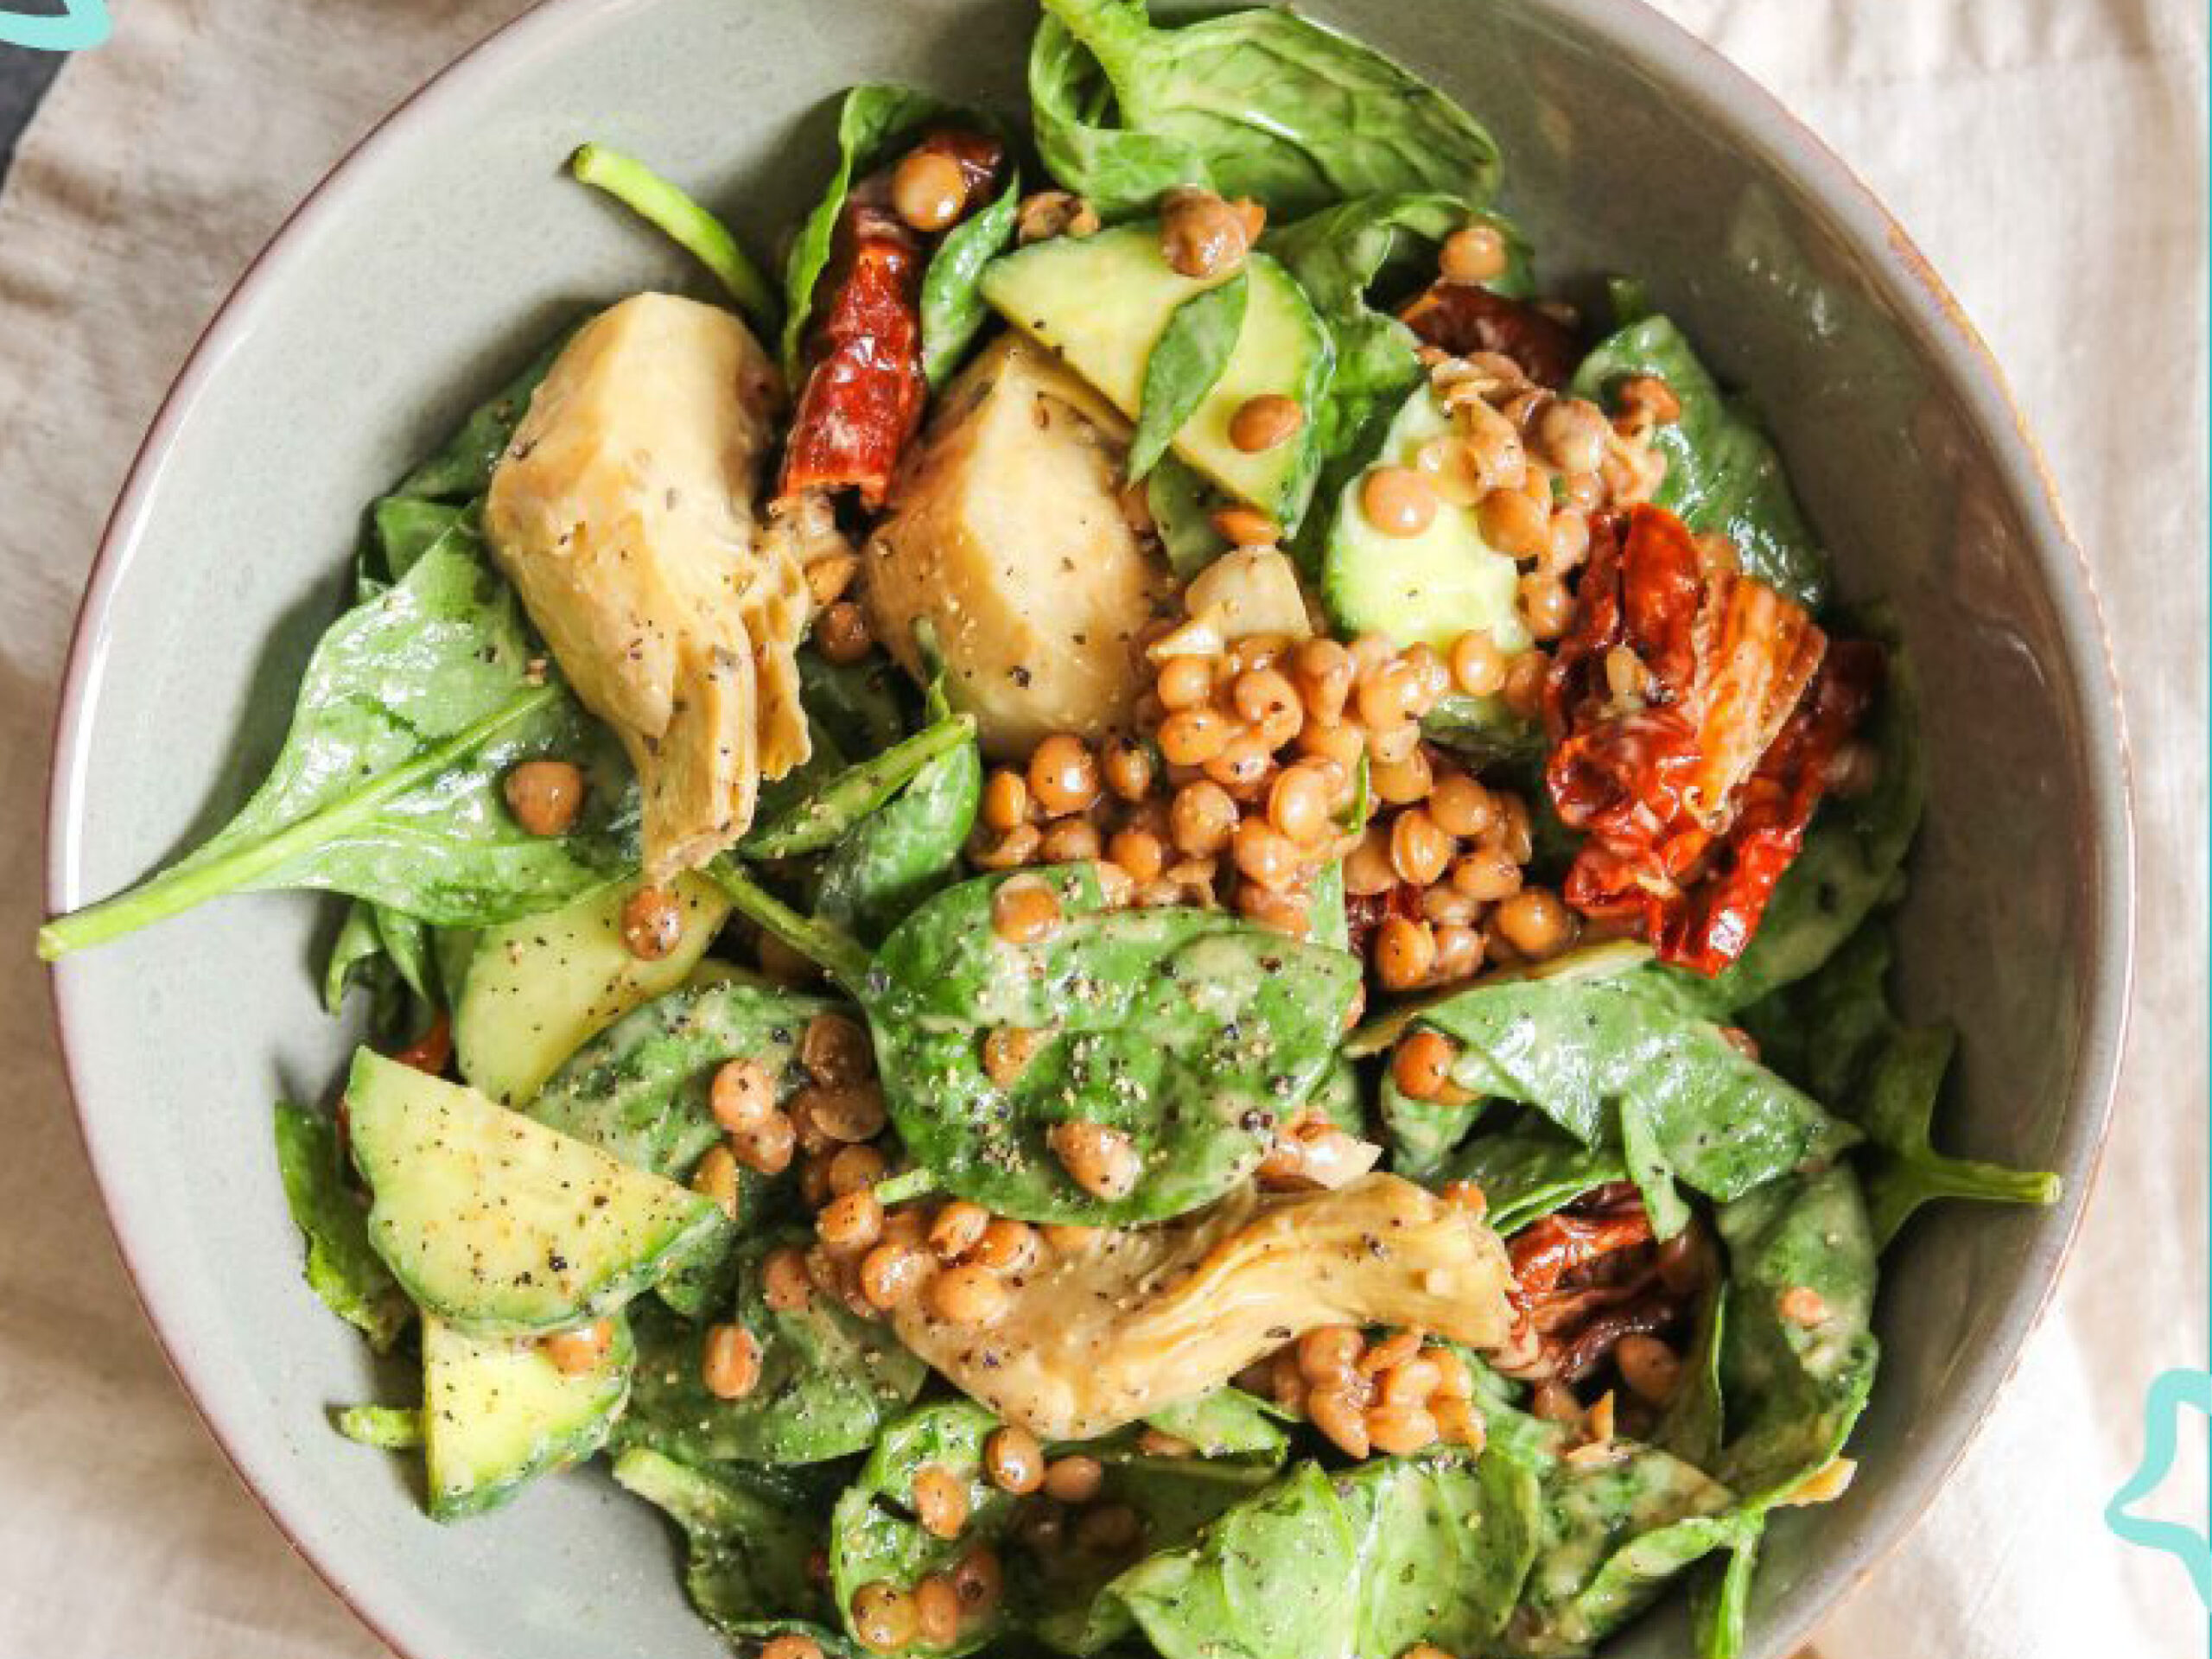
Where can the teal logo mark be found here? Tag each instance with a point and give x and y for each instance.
(81, 24)
(2162, 1409)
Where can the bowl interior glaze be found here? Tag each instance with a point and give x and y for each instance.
(440, 251)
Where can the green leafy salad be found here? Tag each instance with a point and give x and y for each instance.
(1153, 917)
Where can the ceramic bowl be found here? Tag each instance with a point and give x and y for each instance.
(438, 251)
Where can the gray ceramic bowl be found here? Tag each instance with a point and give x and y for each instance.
(442, 246)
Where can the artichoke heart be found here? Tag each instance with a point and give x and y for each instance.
(1149, 1317)
(623, 512)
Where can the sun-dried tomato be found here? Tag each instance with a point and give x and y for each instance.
(1461, 318)
(1693, 786)
(862, 401)
(433, 1049)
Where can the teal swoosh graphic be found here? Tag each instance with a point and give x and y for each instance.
(82, 24)
(2162, 1407)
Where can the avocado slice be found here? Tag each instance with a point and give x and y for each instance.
(1101, 303)
(496, 1224)
(536, 990)
(496, 1413)
(1432, 587)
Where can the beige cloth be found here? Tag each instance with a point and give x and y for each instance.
(2048, 154)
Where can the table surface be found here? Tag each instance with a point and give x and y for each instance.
(2050, 156)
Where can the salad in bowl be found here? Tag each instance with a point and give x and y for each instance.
(1152, 916)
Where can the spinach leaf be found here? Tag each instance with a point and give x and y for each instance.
(1225, 1423)
(1720, 1602)
(1120, 172)
(952, 300)
(839, 803)
(407, 943)
(1276, 1577)
(342, 1267)
(1527, 1171)
(357, 957)
(1907, 1170)
(1695, 1423)
(412, 709)
(1188, 358)
(1824, 1031)
(684, 221)
(747, 1542)
(863, 707)
(460, 469)
(874, 1533)
(403, 528)
(1723, 473)
(388, 1428)
(1604, 1064)
(872, 116)
(896, 857)
(1796, 1378)
(1613, 1535)
(1338, 256)
(639, 1090)
(1423, 1134)
(1189, 1032)
(1852, 864)
(841, 955)
(1280, 108)
(829, 1380)
(1443, 1544)
(1181, 504)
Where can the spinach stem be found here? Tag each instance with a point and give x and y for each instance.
(842, 956)
(183, 886)
(823, 816)
(680, 218)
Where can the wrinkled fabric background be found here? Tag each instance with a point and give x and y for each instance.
(2048, 155)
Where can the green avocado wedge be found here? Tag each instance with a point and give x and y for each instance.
(497, 1224)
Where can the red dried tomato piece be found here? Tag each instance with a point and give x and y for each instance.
(430, 1051)
(1693, 785)
(1461, 318)
(862, 401)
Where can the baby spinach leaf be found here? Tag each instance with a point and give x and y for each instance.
(874, 1533)
(1852, 864)
(388, 1428)
(1527, 1171)
(1189, 1032)
(341, 1266)
(1122, 172)
(839, 803)
(460, 469)
(894, 858)
(1720, 1602)
(1339, 254)
(1693, 1423)
(684, 221)
(841, 955)
(1797, 1375)
(1280, 108)
(357, 957)
(1595, 1060)
(1276, 1577)
(1188, 358)
(1907, 1170)
(1181, 504)
(952, 299)
(1443, 1544)
(747, 1542)
(872, 117)
(829, 1381)
(412, 709)
(404, 528)
(864, 706)
(1613, 1535)
(1423, 1134)
(1825, 1030)
(1723, 473)
(1225, 1423)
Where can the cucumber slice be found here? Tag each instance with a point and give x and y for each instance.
(537, 989)
(496, 1413)
(1102, 301)
(498, 1224)
(1446, 582)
